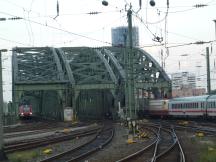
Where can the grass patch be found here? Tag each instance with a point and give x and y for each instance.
(208, 153)
(23, 156)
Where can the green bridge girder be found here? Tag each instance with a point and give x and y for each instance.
(89, 80)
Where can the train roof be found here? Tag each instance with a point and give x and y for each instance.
(192, 98)
(212, 97)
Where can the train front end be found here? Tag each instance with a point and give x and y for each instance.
(25, 111)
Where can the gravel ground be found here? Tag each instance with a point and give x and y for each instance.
(194, 146)
(119, 148)
(38, 153)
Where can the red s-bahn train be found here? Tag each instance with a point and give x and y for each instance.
(25, 109)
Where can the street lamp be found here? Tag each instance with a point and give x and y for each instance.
(2, 154)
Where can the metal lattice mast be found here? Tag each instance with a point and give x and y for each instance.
(2, 154)
(208, 71)
(130, 70)
(1, 109)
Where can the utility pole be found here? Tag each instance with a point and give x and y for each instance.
(2, 154)
(130, 69)
(208, 71)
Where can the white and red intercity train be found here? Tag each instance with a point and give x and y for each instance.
(195, 106)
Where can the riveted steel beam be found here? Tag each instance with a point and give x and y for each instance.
(95, 86)
(67, 66)
(59, 67)
(112, 75)
(115, 62)
(38, 87)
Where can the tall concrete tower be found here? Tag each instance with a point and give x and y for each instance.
(120, 36)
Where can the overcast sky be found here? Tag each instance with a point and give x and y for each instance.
(75, 27)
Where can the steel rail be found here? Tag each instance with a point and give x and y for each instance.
(86, 152)
(156, 146)
(175, 143)
(182, 155)
(94, 149)
(131, 156)
(48, 140)
(169, 148)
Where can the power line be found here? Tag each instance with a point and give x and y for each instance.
(196, 6)
(12, 41)
(177, 44)
(52, 27)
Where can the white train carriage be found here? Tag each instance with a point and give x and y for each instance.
(188, 106)
(211, 106)
(158, 107)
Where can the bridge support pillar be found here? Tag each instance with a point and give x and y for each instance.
(74, 100)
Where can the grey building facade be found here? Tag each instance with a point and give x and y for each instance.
(183, 80)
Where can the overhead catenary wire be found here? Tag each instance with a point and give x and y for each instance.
(59, 29)
(12, 41)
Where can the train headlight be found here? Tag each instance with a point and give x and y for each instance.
(30, 113)
(22, 113)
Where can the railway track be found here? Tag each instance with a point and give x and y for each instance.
(29, 144)
(164, 147)
(193, 126)
(94, 144)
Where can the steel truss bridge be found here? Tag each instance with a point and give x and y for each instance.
(91, 81)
